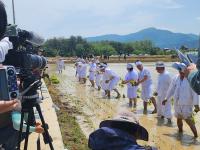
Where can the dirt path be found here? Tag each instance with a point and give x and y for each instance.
(95, 109)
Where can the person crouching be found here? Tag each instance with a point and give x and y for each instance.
(111, 79)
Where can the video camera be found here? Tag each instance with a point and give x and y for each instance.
(25, 60)
(25, 48)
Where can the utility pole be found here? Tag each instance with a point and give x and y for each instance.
(199, 47)
(13, 9)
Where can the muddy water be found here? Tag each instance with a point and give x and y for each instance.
(96, 109)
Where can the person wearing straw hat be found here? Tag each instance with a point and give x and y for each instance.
(111, 80)
(184, 99)
(164, 81)
(119, 133)
(130, 79)
(147, 86)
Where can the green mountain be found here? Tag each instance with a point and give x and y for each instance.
(161, 38)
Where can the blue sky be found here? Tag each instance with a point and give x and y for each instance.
(52, 18)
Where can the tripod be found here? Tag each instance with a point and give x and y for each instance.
(28, 103)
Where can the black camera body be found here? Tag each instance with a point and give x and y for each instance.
(25, 46)
(24, 58)
(8, 83)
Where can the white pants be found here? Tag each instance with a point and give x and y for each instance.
(147, 92)
(183, 111)
(92, 76)
(113, 83)
(164, 110)
(132, 92)
(98, 79)
(104, 85)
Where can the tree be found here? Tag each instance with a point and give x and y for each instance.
(128, 49)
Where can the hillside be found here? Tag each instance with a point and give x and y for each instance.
(161, 38)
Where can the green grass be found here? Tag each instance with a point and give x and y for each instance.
(72, 135)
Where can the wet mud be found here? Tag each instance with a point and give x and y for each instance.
(95, 108)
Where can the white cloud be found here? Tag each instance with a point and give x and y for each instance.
(89, 17)
(198, 18)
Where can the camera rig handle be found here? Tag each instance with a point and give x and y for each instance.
(34, 85)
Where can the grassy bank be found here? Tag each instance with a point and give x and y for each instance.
(72, 135)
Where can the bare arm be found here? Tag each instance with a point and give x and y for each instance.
(6, 106)
(144, 79)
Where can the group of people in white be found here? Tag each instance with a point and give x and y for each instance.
(168, 87)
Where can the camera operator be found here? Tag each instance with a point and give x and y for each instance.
(10, 115)
(5, 45)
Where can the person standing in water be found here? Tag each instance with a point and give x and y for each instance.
(147, 86)
(164, 81)
(92, 72)
(130, 79)
(98, 76)
(184, 101)
(111, 79)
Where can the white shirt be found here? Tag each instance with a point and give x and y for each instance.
(5, 45)
(63, 63)
(109, 73)
(182, 92)
(83, 69)
(143, 73)
(164, 81)
(133, 75)
(92, 67)
(78, 67)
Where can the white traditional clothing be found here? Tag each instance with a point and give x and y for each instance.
(164, 81)
(5, 45)
(59, 66)
(78, 69)
(184, 97)
(92, 71)
(63, 64)
(131, 89)
(104, 85)
(98, 77)
(108, 75)
(147, 86)
(83, 70)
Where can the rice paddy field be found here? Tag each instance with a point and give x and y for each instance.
(94, 108)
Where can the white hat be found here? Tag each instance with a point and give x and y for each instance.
(129, 66)
(179, 66)
(137, 63)
(160, 64)
(103, 66)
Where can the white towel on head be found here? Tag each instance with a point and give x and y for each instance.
(129, 66)
(137, 63)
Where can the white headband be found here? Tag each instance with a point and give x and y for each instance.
(160, 64)
(137, 63)
(129, 66)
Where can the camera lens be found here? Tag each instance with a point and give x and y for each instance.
(13, 95)
(10, 72)
(39, 62)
